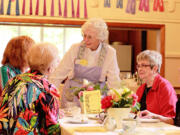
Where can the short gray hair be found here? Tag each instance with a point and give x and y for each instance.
(154, 58)
(42, 56)
(99, 25)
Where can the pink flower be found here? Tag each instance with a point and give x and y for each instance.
(135, 98)
(80, 94)
(90, 88)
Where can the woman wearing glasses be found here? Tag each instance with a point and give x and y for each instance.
(156, 94)
(92, 59)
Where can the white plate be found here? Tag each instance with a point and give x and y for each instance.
(149, 120)
(93, 116)
(75, 121)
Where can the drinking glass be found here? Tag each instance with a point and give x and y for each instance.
(128, 126)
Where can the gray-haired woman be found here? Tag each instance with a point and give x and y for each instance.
(92, 59)
(156, 94)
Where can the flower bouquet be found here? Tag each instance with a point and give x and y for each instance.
(120, 104)
(121, 98)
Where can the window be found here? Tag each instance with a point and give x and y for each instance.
(62, 37)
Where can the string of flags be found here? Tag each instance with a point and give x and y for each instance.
(158, 5)
(131, 5)
(37, 8)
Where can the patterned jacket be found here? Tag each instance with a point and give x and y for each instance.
(6, 72)
(30, 105)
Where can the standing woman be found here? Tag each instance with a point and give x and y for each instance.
(14, 58)
(156, 94)
(92, 59)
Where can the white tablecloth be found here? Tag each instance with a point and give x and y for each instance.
(142, 129)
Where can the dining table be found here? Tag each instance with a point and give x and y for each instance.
(93, 127)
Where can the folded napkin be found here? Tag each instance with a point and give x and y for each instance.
(89, 129)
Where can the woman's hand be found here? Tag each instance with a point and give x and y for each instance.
(147, 114)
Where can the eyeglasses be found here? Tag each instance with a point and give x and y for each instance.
(143, 66)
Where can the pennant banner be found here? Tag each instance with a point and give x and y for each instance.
(78, 8)
(52, 8)
(37, 7)
(144, 4)
(158, 4)
(23, 7)
(119, 4)
(85, 9)
(72, 7)
(44, 8)
(60, 12)
(17, 7)
(30, 8)
(65, 9)
(131, 6)
(2, 7)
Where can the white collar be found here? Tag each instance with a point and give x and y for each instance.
(97, 50)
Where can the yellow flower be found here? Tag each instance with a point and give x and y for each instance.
(83, 62)
(126, 90)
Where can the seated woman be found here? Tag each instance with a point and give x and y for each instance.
(14, 58)
(156, 94)
(30, 103)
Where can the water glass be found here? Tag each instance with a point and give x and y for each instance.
(129, 126)
(72, 110)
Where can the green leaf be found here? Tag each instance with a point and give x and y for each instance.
(97, 87)
(117, 93)
(126, 94)
(136, 108)
(77, 92)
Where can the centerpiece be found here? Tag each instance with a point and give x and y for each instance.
(119, 103)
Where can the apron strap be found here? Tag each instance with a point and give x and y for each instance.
(101, 56)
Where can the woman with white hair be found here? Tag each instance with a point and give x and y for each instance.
(92, 59)
(30, 103)
(156, 94)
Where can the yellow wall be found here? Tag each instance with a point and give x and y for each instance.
(170, 17)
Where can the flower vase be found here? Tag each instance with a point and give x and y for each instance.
(118, 114)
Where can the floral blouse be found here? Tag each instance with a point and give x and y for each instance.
(30, 106)
(6, 72)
